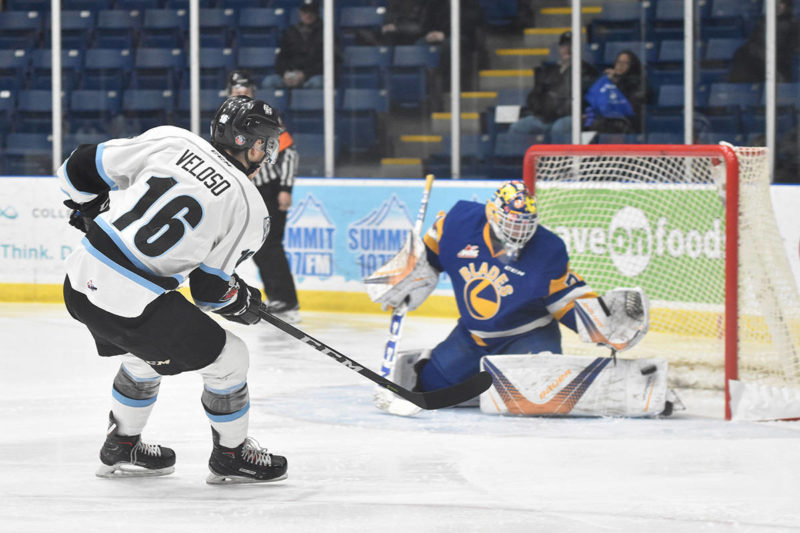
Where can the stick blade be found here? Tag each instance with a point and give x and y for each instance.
(450, 396)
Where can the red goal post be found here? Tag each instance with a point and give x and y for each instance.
(731, 311)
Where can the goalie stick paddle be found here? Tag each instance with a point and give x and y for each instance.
(437, 399)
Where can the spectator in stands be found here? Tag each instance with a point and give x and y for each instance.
(300, 61)
(415, 21)
(615, 100)
(549, 106)
(749, 60)
(274, 182)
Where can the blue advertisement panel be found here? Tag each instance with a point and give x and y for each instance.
(340, 231)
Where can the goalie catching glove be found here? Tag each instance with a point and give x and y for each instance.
(406, 277)
(619, 319)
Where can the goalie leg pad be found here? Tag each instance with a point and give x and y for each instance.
(571, 385)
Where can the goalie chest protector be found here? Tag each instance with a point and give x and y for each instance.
(492, 293)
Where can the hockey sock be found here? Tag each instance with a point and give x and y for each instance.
(134, 394)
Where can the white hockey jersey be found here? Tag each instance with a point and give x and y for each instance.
(178, 209)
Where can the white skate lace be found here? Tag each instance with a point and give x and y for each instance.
(253, 453)
(149, 449)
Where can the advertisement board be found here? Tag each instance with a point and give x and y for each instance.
(340, 230)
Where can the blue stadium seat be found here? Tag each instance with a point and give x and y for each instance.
(41, 69)
(77, 30)
(620, 138)
(28, 154)
(147, 108)
(408, 74)
(364, 67)
(20, 29)
(164, 28)
(242, 4)
(353, 20)
(91, 111)
(259, 61)
(619, 21)
(312, 152)
(8, 103)
(157, 68)
(117, 28)
(667, 22)
(664, 122)
(88, 5)
(34, 111)
(358, 124)
(665, 137)
(476, 150)
(670, 51)
(215, 63)
(786, 95)
(261, 27)
(138, 4)
(277, 98)
(722, 50)
(106, 68)
(734, 95)
(73, 140)
(512, 96)
(754, 122)
(217, 27)
(28, 5)
(14, 65)
(658, 76)
(670, 96)
(499, 12)
(305, 111)
(210, 100)
(506, 160)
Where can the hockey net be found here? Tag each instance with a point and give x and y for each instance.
(665, 218)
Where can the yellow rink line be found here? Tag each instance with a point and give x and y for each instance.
(401, 161)
(568, 10)
(522, 51)
(506, 72)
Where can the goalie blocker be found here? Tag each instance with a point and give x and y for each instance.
(570, 385)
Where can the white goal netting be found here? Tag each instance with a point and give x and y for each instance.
(657, 217)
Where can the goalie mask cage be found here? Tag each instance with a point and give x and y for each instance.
(693, 226)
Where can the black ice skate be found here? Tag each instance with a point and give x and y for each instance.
(247, 463)
(128, 456)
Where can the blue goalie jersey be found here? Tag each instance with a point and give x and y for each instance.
(498, 298)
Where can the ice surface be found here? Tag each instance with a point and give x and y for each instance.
(353, 468)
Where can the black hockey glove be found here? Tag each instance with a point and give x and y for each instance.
(83, 214)
(246, 303)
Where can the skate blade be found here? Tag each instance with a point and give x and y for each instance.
(389, 403)
(217, 479)
(127, 470)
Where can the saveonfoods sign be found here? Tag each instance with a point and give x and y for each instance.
(670, 242)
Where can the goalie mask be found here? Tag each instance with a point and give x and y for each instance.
(512, 215)
(241, 122)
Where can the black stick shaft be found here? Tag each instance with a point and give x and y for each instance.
(437, 399)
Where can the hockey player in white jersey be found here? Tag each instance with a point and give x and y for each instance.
(181, 209)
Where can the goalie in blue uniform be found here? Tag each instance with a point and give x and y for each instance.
(512, 284)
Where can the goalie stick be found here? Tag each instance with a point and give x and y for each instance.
(437, 399)
(399, 313)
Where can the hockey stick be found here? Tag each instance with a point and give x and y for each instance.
(399, 313)
(437, 399)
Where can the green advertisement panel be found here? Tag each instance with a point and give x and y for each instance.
(668, 240)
